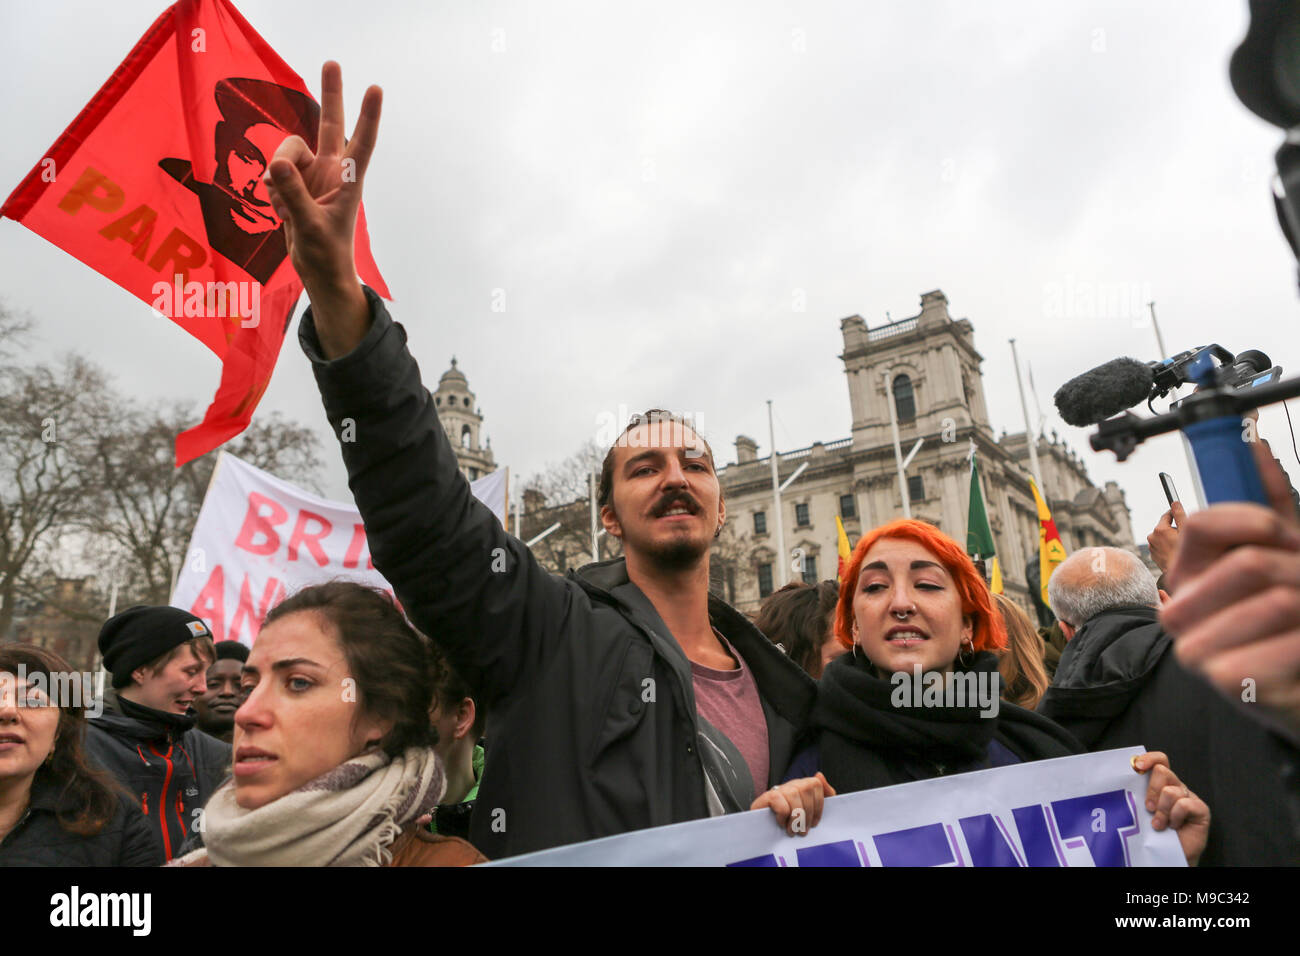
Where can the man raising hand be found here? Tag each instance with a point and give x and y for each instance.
(620, 697)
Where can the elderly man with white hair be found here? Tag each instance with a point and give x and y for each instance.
(1119, 685)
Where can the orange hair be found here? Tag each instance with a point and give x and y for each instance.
(989, 632)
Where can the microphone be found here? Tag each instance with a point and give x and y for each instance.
(1104, 391)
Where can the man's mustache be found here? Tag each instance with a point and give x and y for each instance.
(672, 500)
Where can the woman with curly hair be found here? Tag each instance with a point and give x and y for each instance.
(55, 809)
(333, 749)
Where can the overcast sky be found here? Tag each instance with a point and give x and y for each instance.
(654, 184)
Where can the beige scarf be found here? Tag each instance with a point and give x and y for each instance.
(349, 816)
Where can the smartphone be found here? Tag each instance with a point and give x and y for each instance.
(1171, 494)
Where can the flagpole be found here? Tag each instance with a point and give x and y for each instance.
(898, 448)
(591, 488)
(1187, 446)
(781, 563)
(1030, 438)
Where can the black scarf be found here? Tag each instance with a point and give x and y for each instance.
(867, 742)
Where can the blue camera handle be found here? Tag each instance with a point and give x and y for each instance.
(1225, 460)
(1221, 445)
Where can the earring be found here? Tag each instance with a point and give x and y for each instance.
(970, 645)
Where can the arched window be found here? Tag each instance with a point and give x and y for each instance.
(466, 436)
(904, 401)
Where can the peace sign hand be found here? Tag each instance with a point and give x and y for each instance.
(317, 196)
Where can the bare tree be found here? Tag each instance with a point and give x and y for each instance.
(730, 562)
(561, 493)
(566, 481)
(149, 506)
(47, 416)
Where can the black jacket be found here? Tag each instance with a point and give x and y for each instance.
(163, 761)
(863, 739)
(590, 699)
(39, 840)
(1119, 685)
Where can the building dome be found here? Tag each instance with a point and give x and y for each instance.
(452, 375)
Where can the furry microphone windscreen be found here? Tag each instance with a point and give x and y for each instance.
(1104, 391)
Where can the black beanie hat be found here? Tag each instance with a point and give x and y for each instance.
(142, 633)
(232, 651)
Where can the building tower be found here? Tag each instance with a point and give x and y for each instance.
(462, 420)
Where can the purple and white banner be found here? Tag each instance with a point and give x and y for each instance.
(1072, 811)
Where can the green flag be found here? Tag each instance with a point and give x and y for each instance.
(979, 536)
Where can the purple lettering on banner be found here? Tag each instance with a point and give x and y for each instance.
(866, 860)
(841, 853)
(988, 842)
(1039, 844)
(1078, 821)
(952, 839)
(918, 846)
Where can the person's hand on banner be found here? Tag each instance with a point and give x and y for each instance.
(797, 804)
(1235, 611)
(317, 195)
(1173, 805)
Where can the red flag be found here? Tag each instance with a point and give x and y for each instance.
(157, 185)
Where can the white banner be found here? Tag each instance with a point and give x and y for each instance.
(258, 539)
(1072, 811)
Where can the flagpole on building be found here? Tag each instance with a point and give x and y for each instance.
(782, 570)
(591, 489)
(898, 448)
(1030, 438)
(1187, 446)
(505, 517)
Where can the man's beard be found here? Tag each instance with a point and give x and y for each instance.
(677, 556)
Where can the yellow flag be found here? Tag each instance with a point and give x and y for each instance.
(845, 552)
(996, 586)
(1051, 551)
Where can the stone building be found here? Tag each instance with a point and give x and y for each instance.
(937, 390)
(462, 420)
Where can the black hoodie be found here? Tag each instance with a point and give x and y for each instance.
(1119, 685)
(163, 761)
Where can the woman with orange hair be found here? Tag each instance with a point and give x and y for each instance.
(918, 696)
(920, 624)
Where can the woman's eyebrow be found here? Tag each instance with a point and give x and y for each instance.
(916, 565)
(293, 662)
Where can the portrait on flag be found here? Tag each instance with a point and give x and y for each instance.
(157, 185)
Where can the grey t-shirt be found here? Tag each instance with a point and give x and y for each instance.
(728, 702)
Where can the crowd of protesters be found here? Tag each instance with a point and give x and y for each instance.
(498, 712)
